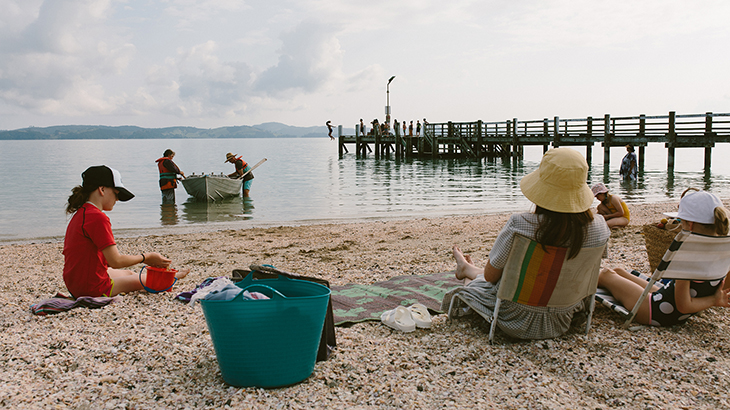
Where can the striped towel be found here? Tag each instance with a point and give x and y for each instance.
(62, 303)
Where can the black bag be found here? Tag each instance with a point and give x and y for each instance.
(248, 176)
(328, 341)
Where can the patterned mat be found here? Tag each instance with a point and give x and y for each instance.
(355, 303)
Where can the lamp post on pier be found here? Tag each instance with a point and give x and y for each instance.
(387, 101)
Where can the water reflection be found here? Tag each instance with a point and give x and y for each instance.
(168, 214)
(230, 209)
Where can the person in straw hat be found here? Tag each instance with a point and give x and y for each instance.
(241, 168)
(612, 207)
(675, 301)
(562, 217)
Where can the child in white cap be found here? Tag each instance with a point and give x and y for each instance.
(674, 302)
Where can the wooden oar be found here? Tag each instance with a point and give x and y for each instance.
(252, 168)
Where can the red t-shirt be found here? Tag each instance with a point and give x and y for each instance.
(85, 267)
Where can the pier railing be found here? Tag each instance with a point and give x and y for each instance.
(507, 138)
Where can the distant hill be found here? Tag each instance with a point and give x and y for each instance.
(266, 130)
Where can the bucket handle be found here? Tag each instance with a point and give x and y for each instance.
(150, 290)
(274, 292)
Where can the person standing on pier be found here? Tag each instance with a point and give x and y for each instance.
(410, 129)
(395, 125)
(329, 128)
(362, 127)
(168, 176)
(612, 207)
(418, 128)
(404, 128)
(629, 170)
(241, 168)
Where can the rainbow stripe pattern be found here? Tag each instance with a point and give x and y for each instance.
(539, 274)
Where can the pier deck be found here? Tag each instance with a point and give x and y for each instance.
(507, 138)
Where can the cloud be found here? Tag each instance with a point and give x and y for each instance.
(54, 61)
(310, 56)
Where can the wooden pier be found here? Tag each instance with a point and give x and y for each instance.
(507, 139)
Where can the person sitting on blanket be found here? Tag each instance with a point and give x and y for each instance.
(563, 218)
(673, 302)
(91, 257)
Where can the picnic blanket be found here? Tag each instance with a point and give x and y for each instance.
(355, 303)
(62, 303)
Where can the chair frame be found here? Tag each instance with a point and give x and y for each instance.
(664, 270)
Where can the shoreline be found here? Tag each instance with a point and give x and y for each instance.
(151, 351)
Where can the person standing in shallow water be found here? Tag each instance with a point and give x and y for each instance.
(629, 169)
(168, 176)
(92, 260)
(241, 168)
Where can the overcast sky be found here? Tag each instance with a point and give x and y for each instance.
(213, 63)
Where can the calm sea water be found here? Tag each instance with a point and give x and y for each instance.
(303, 181)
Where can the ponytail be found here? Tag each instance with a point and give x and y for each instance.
(77, 199)
(721, 221)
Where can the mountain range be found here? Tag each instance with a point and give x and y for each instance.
(265, 130)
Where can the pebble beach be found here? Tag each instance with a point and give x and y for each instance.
(150, 351)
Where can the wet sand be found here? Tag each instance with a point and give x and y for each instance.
(150, 351)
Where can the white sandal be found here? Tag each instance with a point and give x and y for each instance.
(420, 315)
(399, 319)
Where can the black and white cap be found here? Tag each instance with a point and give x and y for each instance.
(102, 175)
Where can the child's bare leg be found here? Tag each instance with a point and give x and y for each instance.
(641, 282)
(125, 280)
(182, 273)
(627, 292)
(603, 209)
(617, 222)
(465, 269)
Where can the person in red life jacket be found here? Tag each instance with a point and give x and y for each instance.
(92, 260)
(168, 176)
(241, 168)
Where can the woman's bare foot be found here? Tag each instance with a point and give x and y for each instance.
(182, 273)
(462, 263)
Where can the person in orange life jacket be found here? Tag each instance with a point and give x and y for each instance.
(241, 168)
(168, 176)
(92, 261)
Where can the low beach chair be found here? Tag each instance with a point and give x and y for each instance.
(545, 277)
(691, 256)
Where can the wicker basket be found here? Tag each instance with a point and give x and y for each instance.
(657, 242)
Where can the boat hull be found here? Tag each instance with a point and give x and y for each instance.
(211, 187)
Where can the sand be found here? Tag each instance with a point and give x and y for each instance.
(151, 351)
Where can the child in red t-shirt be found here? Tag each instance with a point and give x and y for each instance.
(92, 260)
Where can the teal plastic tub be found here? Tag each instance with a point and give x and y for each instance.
(271, 342)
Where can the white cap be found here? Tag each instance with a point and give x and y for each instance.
(697, 207)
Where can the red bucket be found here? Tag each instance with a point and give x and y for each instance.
(158, 279)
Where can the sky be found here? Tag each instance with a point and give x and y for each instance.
(215, 63)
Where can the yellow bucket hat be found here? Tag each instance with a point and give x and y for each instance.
(559, 183)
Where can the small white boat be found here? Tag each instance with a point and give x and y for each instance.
(211, 187)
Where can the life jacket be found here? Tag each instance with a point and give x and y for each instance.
(244, 164)
(168, 177)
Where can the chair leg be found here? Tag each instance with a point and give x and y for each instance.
(494, 320)
(591, 308)
(646, 291)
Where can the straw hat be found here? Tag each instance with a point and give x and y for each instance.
(559, 184)
(229, 156)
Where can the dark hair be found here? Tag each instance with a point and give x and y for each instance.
(77, 199)
(630, 147)
(168, 152)
(565, 230)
